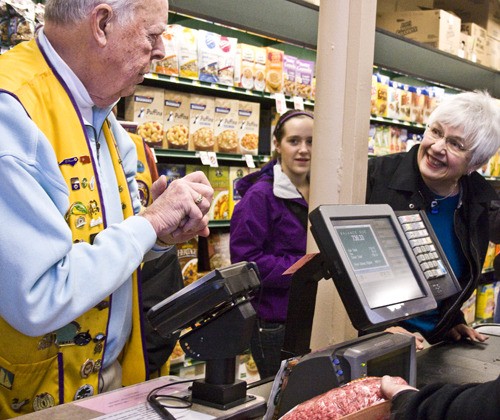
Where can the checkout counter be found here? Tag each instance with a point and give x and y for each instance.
(375, 260)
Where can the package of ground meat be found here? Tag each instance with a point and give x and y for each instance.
(339, 402)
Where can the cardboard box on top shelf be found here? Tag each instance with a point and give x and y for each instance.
(389, 6)
(176, 120)
(493, 53)
(248, 127)
(485, 13)
(479, 39)
(145, 107)
(219, 179)
(435, 28)
(226, 125)
(201, 123)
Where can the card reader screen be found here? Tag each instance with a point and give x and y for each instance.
(377, 260)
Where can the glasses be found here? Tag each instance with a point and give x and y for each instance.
(453, 144)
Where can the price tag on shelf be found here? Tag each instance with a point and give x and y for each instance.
(298, 103)
(174, 79)
(205, 160)
(214, 85)
(249, 160)
(280, 103)
(153, 76)
(212, 158)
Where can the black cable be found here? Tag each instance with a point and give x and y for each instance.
(162, 409)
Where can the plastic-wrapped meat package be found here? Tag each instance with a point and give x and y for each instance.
(339, 402)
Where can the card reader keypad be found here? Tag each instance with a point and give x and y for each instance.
(423, 246)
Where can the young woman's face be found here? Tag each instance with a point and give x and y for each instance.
(295, 146)
(442, 156)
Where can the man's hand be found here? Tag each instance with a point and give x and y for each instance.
(179, 212)
(464, 331)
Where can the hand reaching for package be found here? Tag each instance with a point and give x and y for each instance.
(179, 212)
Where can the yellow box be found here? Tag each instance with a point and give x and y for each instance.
(436, 28)
(485, 302)
(219, 179)
(274, 70)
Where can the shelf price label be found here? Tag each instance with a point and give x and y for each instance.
(249, 160)
(212, 159)
(280, 103)
(204, 158)
(298, 103)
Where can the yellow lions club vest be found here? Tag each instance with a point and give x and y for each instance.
(143, 175)
(39, 372)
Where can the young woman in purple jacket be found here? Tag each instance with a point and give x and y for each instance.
(268, 227)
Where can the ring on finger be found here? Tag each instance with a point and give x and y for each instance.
(199, 199)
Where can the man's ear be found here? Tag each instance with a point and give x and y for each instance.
(101, 17)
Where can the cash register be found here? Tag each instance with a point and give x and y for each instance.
(374, 257)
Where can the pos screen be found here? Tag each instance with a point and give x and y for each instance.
(371, 263)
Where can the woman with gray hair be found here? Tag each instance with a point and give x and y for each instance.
(439, 176)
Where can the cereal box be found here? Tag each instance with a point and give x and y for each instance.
(208, 56)
(227, 58)
(170, 63)
(188, 53)
(289, 71)
(176, 120)
(417, 105)
(248, 130)
(226, 125)
(259, 71)
(393, 100)
(404, 102)
(245, 62)
(187, 253)
(145, 107)
(382, 88)
(218, 250)
(219, 179)
(303, 78)
(235, 174)
(201, 123)
(172, 171)
(274, 70)
(485, 302)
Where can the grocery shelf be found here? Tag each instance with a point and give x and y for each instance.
(392, 121)
(214, 88)
(293, 22)
(226, 157)
(219, 223)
